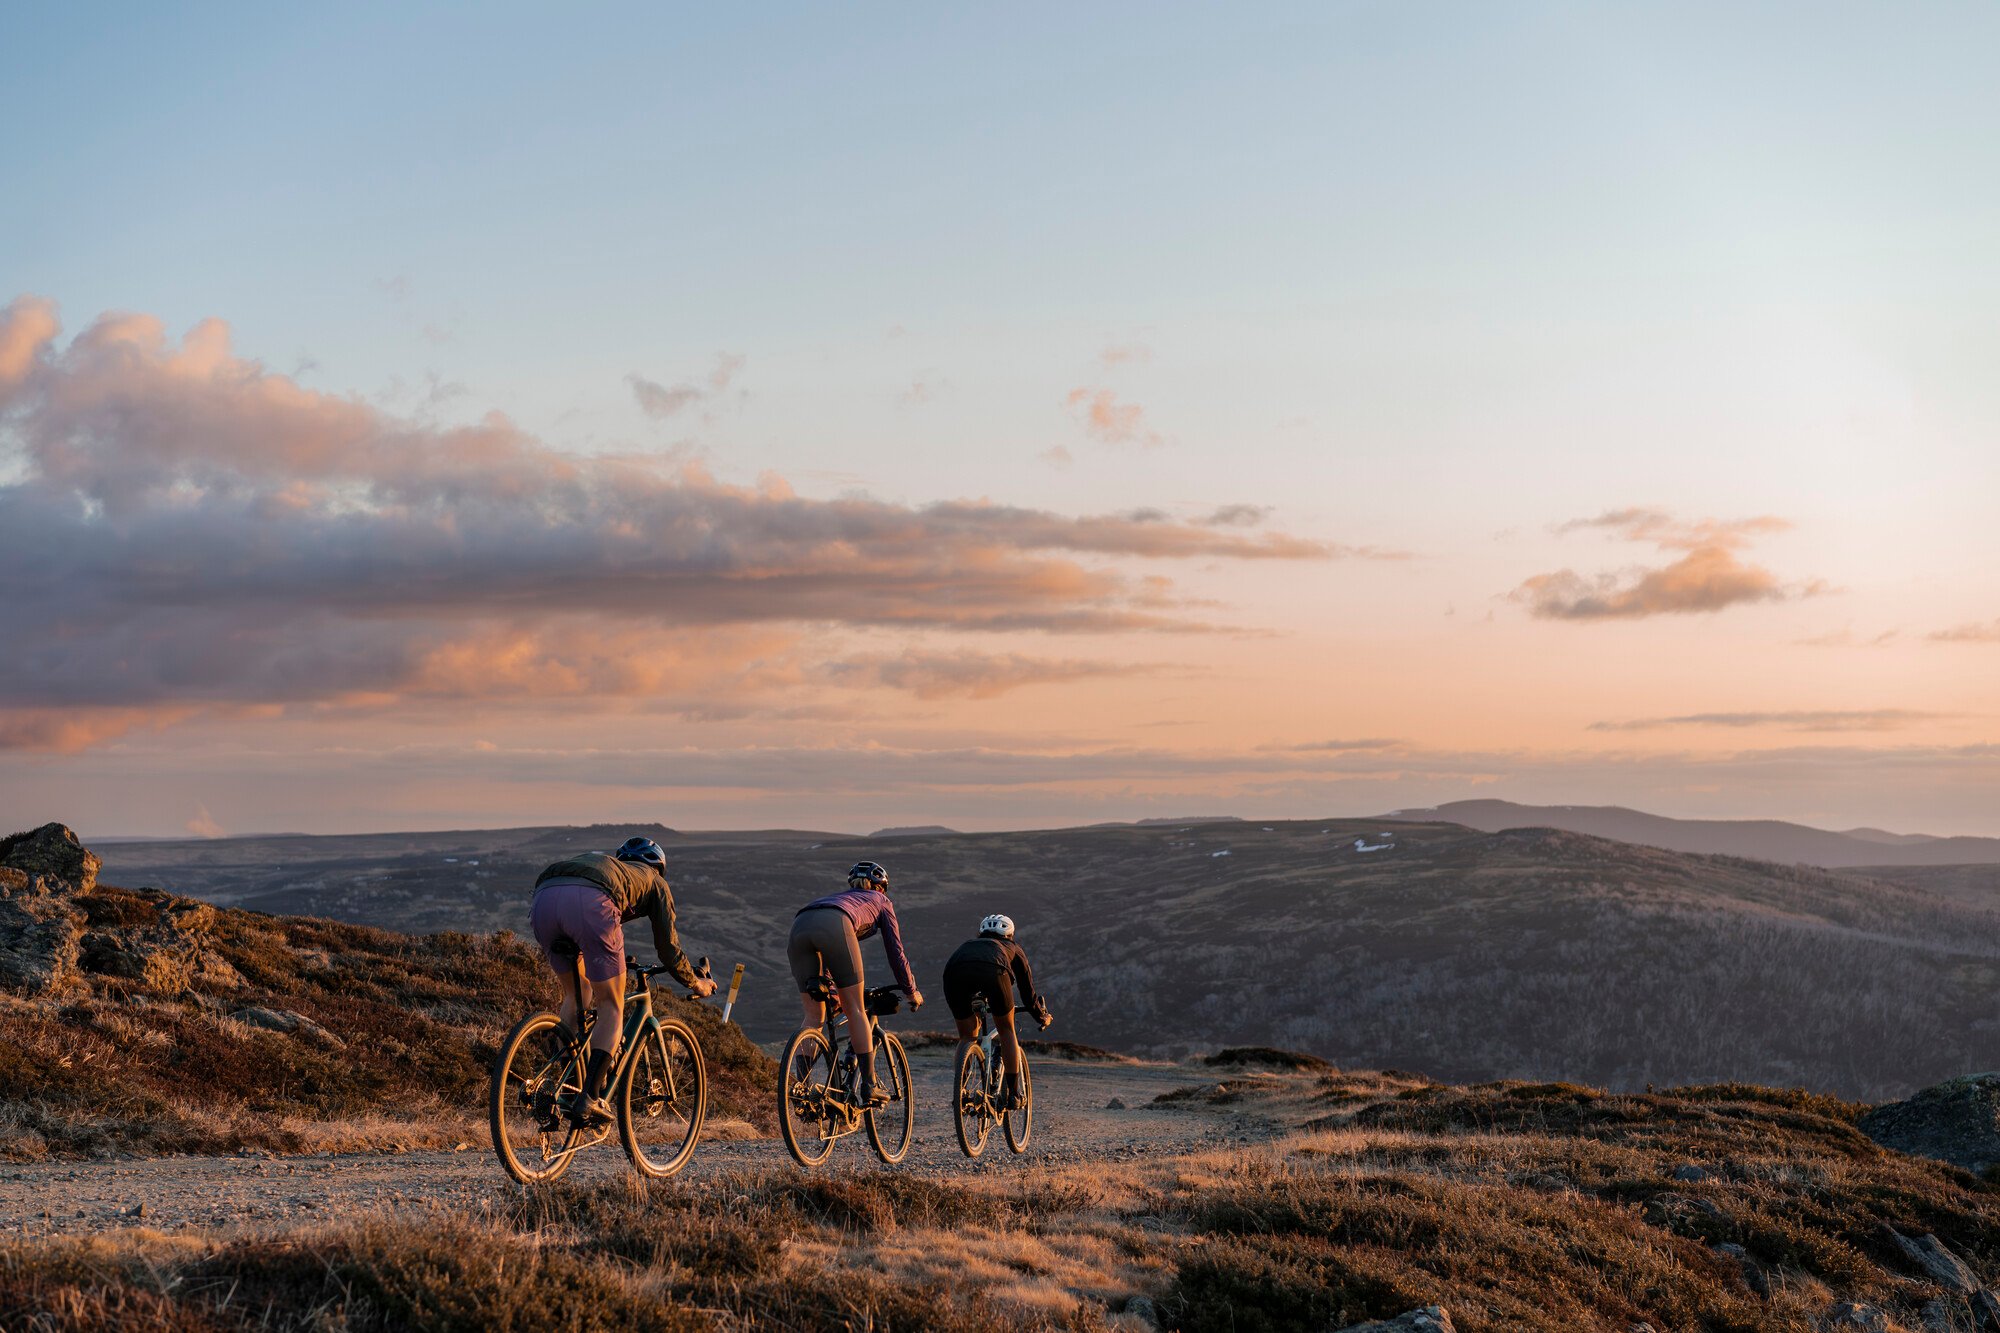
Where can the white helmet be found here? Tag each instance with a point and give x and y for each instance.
(1003, 926)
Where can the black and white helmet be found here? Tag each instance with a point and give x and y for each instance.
(867, 875)
(1003, 926)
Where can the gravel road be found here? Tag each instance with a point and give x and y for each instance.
(1073, 1123)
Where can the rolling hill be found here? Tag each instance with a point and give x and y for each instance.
(1761, 839)
(1469, 955)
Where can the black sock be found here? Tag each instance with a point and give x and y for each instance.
(593, 1078)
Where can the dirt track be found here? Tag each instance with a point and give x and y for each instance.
(1072, 1123)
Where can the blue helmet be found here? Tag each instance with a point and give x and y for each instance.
(868, 875)
(644, 850)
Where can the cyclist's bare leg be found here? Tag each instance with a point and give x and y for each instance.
(858, 1035)
(1010, 1045)
(968, 1028)
(608, 998)
(814, 1012)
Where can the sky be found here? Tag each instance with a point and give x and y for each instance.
(425, 417)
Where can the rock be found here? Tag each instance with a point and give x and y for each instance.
(1957, 1121)
(52, 853)
(284, 1020)
(1753, 1272)
(168, 954)
(1143, 1307)
(1858, 1317)
(1116, 1104)
(1685, 1215)
(1986, 1309)
(40, 931)
(1428, 1319)
(1936, 1317)
(1690, 1174)
(1940, 1264)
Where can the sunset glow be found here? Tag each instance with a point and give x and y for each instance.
(1334, 413)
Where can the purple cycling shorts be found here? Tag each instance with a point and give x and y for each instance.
(579, 910)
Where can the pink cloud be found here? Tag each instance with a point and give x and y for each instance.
(190, 531)
(1709, 576)
(1109, 421)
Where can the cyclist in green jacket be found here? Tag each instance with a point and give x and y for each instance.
(587, 899)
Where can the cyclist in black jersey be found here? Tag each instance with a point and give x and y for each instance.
(989, 966)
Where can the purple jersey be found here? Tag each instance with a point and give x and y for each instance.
(870, 910)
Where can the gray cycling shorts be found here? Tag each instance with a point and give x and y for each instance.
(823, 941)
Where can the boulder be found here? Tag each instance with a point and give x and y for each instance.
(1957, 1121)
(1855, 1317)
(168, 954)
(1938, 1263)
(1428, 1319)
(51, 853)
(284, 1020)
(40, 936)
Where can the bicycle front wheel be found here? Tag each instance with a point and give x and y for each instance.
(1019, 1123)
(970, 1105)
(805, 1098)
(663, 1099)
(540, 1066)
(890, 1125)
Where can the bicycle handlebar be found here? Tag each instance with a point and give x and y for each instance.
(632, 964)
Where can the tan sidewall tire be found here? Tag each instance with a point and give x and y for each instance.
(966, 1121)
(497, 1102)
(669, 1027)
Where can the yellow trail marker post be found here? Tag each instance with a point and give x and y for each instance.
(735, 984)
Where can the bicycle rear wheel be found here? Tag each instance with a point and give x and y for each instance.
(805, 1090)
(970, 1105)
(539, 1066)
(1019, 1123)
(663, 1099)
(889, 1126)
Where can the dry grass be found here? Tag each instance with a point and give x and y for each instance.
(122, 1065)
(1515, 1206)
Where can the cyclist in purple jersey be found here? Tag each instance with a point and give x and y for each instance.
(826, 939)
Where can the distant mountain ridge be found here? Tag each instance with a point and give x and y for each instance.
(1758, 839)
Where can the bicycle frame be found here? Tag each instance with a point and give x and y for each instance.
(640, 1022)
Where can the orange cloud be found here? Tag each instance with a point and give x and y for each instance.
(1109, 421)
(1708, 577)
(195, 532)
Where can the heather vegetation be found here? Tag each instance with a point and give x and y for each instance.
(142, 1022)
(1515, 1206)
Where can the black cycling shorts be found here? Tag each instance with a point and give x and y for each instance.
(964, 981)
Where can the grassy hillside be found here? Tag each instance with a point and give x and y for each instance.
(164, 1035)
(1514, 1206)
(1471, 955)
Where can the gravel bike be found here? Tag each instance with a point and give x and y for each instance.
(658, 1086)
(977, 1081)
(818, 1078)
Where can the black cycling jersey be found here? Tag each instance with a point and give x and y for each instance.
(999, 955)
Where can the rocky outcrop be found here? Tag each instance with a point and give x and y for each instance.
(53, 854)
(49, 941)
(40, 928)
(1957, 1121)
(168, 953)
(1428, 1319)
